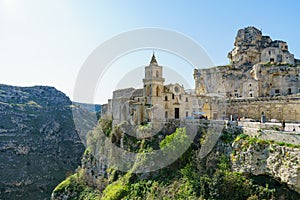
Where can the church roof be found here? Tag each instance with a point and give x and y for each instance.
(137, 93)
(153, 59)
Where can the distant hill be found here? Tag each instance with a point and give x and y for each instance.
(39, 143)
(94, 108)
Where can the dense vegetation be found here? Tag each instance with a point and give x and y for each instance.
(187, 178)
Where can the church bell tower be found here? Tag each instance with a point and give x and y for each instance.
(153, 83)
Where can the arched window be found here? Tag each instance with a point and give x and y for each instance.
(157, 91)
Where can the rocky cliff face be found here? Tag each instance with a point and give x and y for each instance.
(38, 141)
(264, 158)
(237, 167)
(251, 47)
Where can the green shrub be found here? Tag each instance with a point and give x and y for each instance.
(224, 163)
(114, 191)
(76, 185)
(173, 144)
(106, 125)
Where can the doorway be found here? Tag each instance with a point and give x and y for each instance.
(176, 113)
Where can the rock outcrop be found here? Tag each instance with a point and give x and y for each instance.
(260, 70)
(39, 144)
(251, 47)
(228, 171)
(263, 158)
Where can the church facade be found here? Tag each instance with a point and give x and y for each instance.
(154, 102)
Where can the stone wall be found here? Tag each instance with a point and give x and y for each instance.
(260, 80)
(264, 131)
(119, 109)
(273, 54)
(279, 108)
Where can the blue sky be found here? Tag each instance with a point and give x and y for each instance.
(46, 42)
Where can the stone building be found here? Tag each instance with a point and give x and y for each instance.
(154, 102)
(260, 71)
(263, 78)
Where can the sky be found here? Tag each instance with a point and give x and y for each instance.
(46, 42)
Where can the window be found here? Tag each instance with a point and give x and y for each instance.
(186, 114)
(236, 94)
(251, 95)
(166, 114)
(271, 59)
(186, 99)
(215, 115)
(157, 91)
(166, 98)
(250, 84)
(277, 91)
(157, 74)
(289, 91)
(173, 96)
(176, 113)
(279, 58)
(269, 52)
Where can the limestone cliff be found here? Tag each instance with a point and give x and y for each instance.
(219, 175)
(39, 144)
(251, 47)
(266, 158)
(260, 70)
